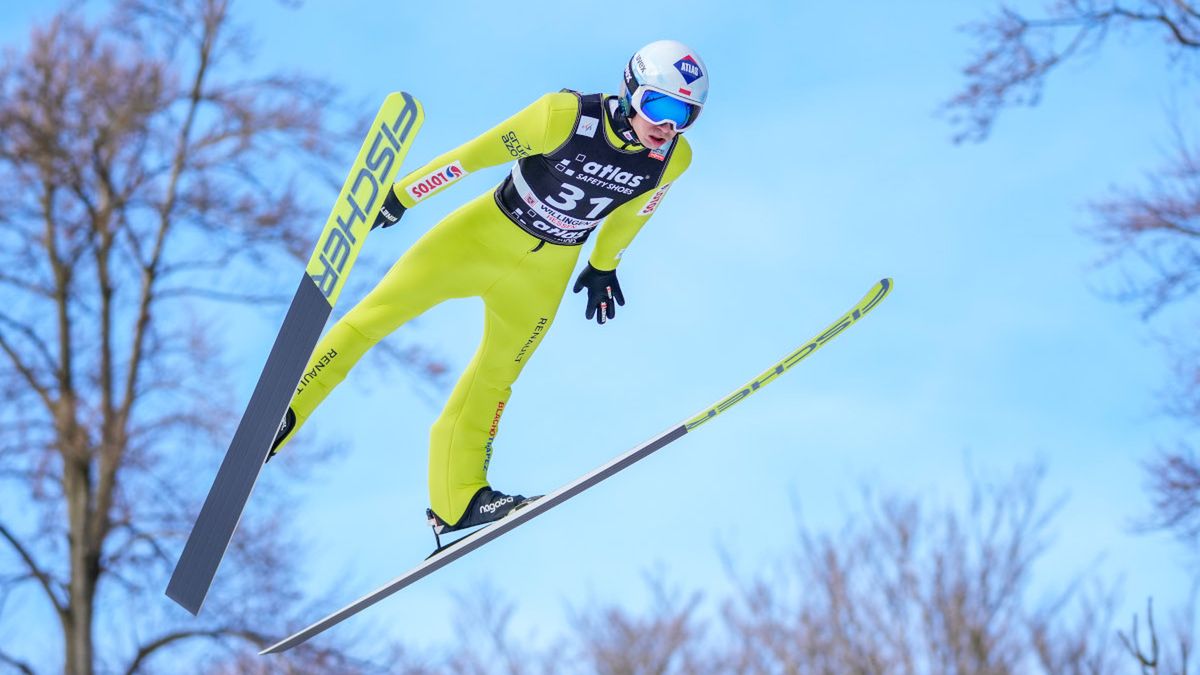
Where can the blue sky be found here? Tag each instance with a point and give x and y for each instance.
(819, 167)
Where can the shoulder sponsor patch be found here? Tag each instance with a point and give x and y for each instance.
(515, 147)
(655, 200)
(587, 126)
(436, 180)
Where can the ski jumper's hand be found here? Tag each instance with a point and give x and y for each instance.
(390, 212)
(603, 292)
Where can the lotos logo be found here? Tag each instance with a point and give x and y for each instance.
(496, 505)
(612, 173)
(689, 69)
(654, 201)
(435, 180)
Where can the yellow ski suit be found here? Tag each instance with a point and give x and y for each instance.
(517, 256)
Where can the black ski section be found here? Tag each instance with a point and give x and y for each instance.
(248, 450)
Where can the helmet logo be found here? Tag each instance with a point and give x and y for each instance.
(689, 69)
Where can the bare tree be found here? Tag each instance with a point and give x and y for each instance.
(667, 638)
(1150, 234)
(599, 637)
(1016, 53)
(905, 587)
(488, 647)
(143, 178)
(910, 588)
(1156, 228)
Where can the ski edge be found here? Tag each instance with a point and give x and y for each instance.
(480, 537)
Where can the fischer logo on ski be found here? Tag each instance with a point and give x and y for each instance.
(336, 248)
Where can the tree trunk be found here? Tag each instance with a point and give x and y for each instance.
(84, 567)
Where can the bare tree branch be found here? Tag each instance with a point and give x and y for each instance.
(1184, 33)
(1174, 486)
(19, 665)
(148, 649)
(1147, 662)
(47, 583)
(1017, 52)
(28, 373)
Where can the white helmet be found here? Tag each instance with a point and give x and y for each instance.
(665, 81)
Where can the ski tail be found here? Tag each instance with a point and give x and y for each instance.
(478, 538)
(373, 172)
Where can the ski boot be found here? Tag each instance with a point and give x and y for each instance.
(285, 427)
(486, 506)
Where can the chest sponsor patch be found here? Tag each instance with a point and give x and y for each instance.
(435, 180)
(587, 126)
(655, 200)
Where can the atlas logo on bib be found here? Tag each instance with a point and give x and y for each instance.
(612, 174)
(435, 180)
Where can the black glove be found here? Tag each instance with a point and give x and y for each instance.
(390, 212)
(603, 289)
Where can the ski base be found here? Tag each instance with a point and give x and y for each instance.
(248, 450)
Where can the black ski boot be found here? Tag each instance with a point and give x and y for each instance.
(285, 428)
(486, 506)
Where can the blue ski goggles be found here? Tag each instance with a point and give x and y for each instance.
(659, 108)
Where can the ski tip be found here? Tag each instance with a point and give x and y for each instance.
(291, 641)
(284, 644)
(881, 290)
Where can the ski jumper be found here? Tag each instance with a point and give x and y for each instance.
(515, 247)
